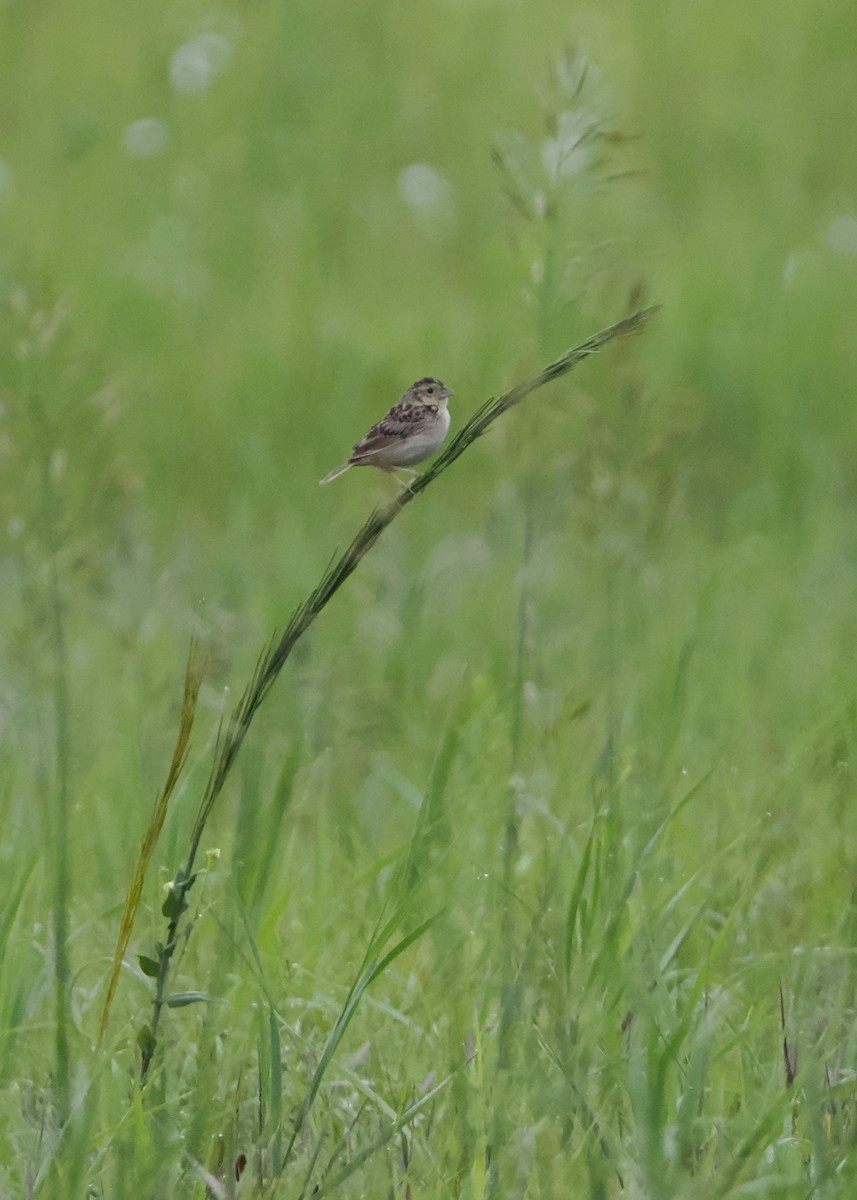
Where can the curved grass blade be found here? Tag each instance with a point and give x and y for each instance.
(192, 682)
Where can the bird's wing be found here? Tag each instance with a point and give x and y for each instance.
(400, 422)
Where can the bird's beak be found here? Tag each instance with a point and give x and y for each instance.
(446, 394)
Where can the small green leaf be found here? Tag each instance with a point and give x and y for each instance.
(149, 966)
(182, 999)
(174, 903)
(145, 1041)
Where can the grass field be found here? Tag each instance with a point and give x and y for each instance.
(535, 874)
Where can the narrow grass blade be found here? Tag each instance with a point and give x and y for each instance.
(369, 972)
(431, 824)
(576, 896)
(673, 813)
(193, 680)
(401, 1122)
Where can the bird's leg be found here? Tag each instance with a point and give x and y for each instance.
(411, 476)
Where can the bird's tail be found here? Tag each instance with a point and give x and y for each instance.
(334, 474)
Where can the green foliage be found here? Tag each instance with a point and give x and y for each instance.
(535, 873)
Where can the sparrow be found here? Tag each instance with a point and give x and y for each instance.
(411, 431)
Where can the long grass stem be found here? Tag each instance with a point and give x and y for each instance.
(272, 660)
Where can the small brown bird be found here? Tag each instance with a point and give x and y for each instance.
(411, 431)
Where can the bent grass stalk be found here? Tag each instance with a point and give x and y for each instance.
(272, 660)
(193, 681)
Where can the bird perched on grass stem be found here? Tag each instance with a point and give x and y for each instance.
(411, 431)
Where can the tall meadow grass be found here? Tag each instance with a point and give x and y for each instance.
(533, 872)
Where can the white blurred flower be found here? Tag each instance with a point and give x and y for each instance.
(146, 138)
(425, 190)
(196, 64)
(842, 235)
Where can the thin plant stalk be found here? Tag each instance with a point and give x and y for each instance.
(236, 727)
(61, 799)
(193, 681)
(62, 871)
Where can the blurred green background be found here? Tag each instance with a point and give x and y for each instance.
(232, 236)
